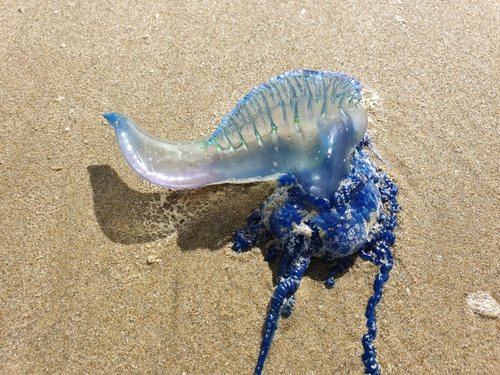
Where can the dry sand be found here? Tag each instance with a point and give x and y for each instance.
(103, 273)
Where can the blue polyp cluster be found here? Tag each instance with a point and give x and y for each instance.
(359, 218)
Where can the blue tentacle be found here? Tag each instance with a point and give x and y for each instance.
(283, 292)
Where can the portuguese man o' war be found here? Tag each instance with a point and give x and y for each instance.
(307, 130)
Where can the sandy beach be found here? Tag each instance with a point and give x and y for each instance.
(104, 273)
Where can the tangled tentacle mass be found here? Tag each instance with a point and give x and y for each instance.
(307, 129)
(359, 219)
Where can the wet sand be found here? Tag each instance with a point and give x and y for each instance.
(103, 273)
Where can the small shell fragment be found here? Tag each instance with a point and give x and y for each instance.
(483, 304)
